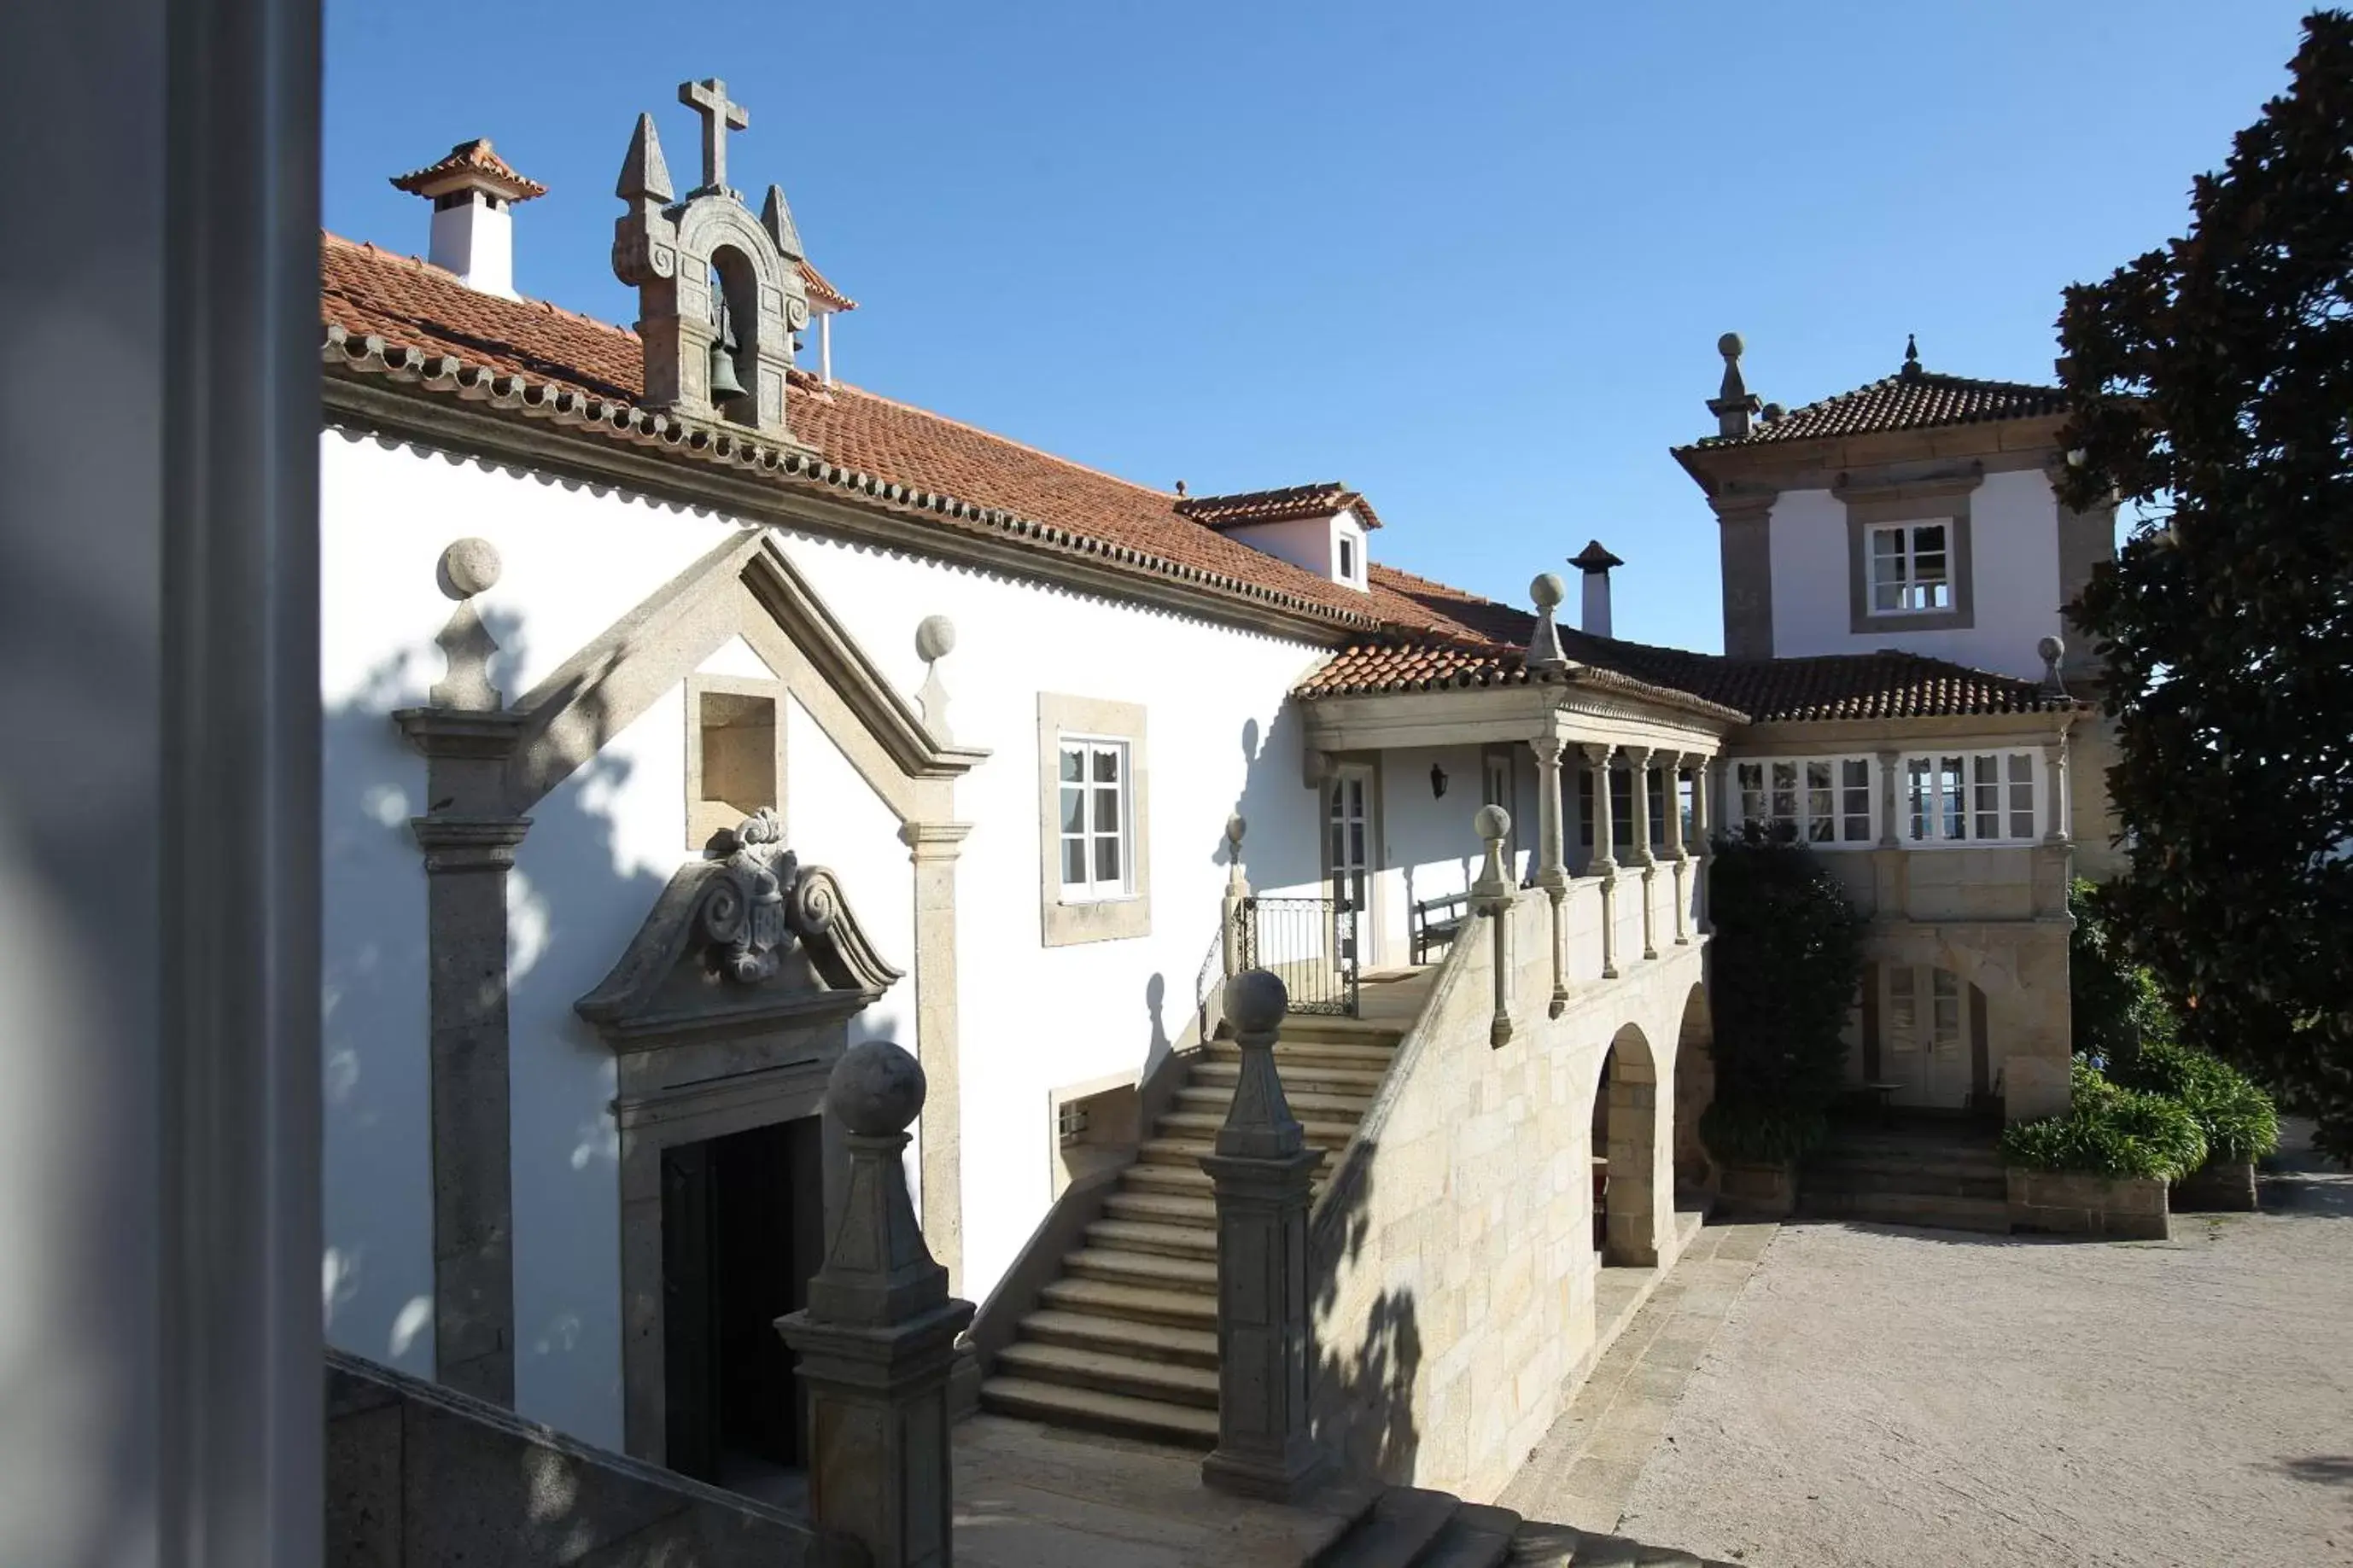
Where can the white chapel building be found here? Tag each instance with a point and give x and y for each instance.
(693, 714)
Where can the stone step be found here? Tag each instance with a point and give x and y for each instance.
(1363, 1056)
(1136, 1303)
(1476, 1537)
(1323, 1131)
(1319, 1028)
(1150, 1341)
(1395, 1533)
(1922, 1183)
(1116, 1266)
(1156, 1207)
(1934, 1157)
(1110, 1372)
(1300, 1077)
(1095, 1411)
(1184, 1177)
(1216, 1098)
(1926, 1211)
(1163, 1240)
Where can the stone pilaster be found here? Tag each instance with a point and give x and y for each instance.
(1605, 855)
(878, 1336)
(1677, 854)
(1266, 1352)
(1552, 874)
(1637, 760)
(934, 847)
(468, 840)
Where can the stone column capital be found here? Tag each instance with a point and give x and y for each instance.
(929, 841)
(453, 842)
(1597, 752)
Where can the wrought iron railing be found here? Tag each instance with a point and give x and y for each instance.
(1209, 991)
(1311, 943)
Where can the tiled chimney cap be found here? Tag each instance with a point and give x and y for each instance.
(1594, 558)
(471, 166)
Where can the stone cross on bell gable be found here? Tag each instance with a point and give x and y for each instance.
(708, 99)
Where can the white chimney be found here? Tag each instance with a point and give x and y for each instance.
(1595, 562)
(473, 191)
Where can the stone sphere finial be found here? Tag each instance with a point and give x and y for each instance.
(2051, 649)
(1548, 590)
(1493, 823)
(1730, 346)
(468, 567)
(876, 1088)
(1256, 1001)
(935, 639)
(1235, 828)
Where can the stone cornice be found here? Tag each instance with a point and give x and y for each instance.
(486, 734)
(442, 401)
(1999, 444)
(453, 842)
(930, 841)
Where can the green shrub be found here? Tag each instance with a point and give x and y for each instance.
(2113, 1133)
(2238, 1119)
(1786, 958)
(2114, 1003)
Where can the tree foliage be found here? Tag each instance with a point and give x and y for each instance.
(2114, 1002)
(2212, 384)
(1786, 955)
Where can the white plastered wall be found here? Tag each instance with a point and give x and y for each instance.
(1030, 1019)
(2013, 523)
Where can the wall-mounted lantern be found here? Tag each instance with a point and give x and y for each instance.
(1436, 781)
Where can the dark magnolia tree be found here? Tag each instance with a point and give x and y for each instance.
(2212, 384)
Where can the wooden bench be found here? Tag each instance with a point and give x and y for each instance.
(1437, 921)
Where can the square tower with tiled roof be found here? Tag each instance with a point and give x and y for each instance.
(1915, 512)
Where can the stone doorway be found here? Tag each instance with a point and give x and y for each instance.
(742, 1229)
(1625, 1120)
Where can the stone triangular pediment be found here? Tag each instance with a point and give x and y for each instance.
(745, 587)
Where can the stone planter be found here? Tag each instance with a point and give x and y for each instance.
(1756, 1191)
(2226, 1186)
(2069, 1203)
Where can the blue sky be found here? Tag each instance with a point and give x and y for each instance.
(1472, 261)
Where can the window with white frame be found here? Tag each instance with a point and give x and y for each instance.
(1975, 797)
(1823, 800)
(1911, 568)
(1347, 558)
(1095, 816)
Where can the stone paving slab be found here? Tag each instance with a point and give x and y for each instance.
(1582, 1472)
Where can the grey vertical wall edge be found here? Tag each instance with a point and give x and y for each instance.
(242, 1392)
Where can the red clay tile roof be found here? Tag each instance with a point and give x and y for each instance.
(1468, 641)
(474, 158)
(1913, 399)
(1277, 506)
(971, 480)
(822, 292)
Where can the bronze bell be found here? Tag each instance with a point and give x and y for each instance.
(724, 387)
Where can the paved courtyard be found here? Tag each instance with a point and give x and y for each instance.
(1870, 1397)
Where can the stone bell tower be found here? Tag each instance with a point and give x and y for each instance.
(720, 292)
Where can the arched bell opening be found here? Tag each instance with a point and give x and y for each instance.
(734, 350)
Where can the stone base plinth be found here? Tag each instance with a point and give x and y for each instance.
(1756, 1191)
(2228, 1187)
(2068, 1203)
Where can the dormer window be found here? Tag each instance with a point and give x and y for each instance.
(1317, 528)
(1911, 568)
(1347, 559)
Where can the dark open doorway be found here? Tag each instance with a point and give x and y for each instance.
(742, 1223)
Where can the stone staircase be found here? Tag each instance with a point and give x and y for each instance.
(1126, 1340)
(1936, 1175)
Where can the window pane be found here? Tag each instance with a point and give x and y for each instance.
(1822, 804)
(1107, 859)
(2022, 795)
(1901, 1012)
(1927, 538)
(1356, 842)
(1107, 819)
(1885, 543)
(1855, 779)
(1784, 807)
(1948, 796)
(1986, 796)
(1106, 765)
(1074, 860)
(1074, 810)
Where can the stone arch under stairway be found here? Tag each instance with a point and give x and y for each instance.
(1626, 1102)
(1695, 1090)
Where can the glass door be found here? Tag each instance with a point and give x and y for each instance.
(1348, 808)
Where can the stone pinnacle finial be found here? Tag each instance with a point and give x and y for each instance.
(1259, 1123)
(1493, 824)
(468, 567)
(1733, 406)
(708, 99)
(935, 640)
(1911, 356)
(1235, 828)
(645, 175)
(1544, 648)
(776, 217)
(2052, 650)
